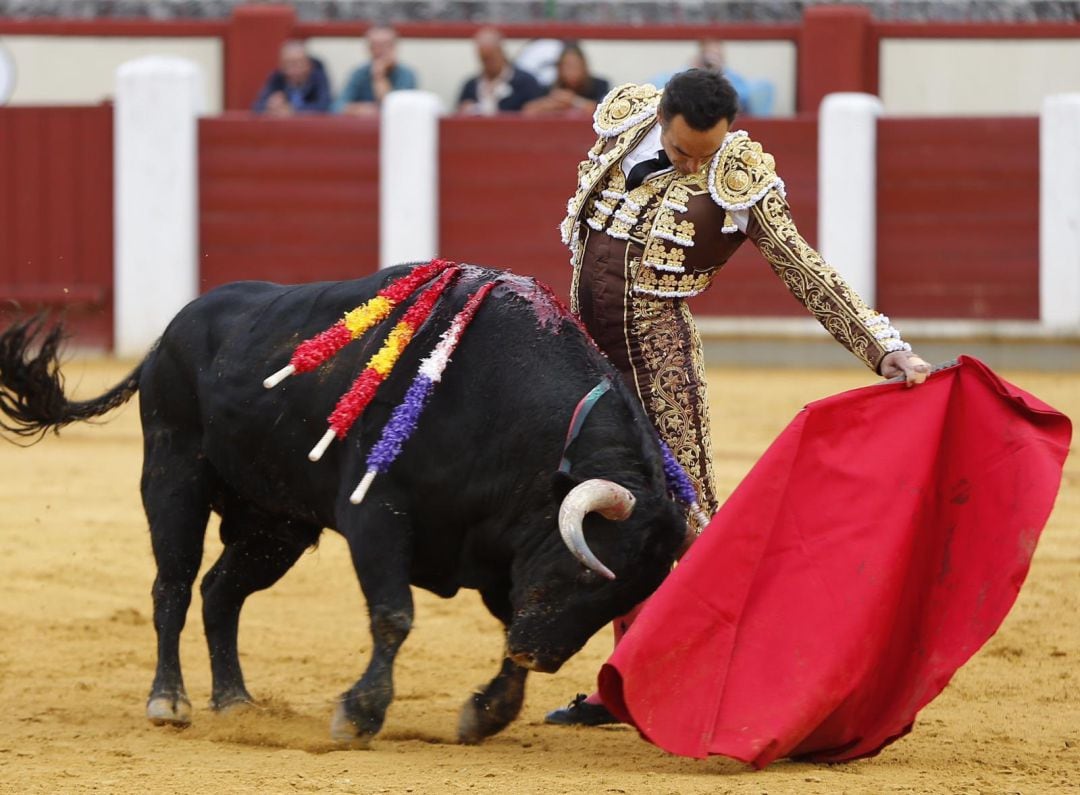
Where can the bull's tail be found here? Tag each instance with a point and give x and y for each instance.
(32, 399)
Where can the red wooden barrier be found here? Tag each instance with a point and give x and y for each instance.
(56, 205)
(505, 182)
(958, 218)
(287, 199)
(503, 188)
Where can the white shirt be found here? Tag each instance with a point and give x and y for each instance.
(647, 149)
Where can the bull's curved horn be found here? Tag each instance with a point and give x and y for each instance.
(609, 499)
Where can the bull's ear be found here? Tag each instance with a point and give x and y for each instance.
(562, 483)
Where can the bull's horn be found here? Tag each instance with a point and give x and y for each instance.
(610, 500)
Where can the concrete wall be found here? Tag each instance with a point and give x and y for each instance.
(61, 70)
(954, 77)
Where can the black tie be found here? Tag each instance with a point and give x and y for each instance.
(645, 167)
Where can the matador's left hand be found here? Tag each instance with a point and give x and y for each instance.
(906, 363)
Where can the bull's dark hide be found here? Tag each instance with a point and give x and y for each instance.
(471, 502)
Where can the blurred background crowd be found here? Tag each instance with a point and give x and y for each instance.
(547, 76)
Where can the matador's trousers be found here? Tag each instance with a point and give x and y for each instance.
(654, 344)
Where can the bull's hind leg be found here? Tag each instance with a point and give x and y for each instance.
(259, 549)
(176, 496)
(489, 711)
(380, 544)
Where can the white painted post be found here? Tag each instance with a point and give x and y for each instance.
(847, 188)
(158, 99)
(1059, 211)
(408, 177)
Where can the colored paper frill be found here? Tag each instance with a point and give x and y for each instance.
(311, 353)
(406, 416)
(352, 404)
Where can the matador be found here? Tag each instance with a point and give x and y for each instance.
(666, 195)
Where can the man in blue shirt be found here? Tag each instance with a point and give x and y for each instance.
(370, 83)
(298, 85)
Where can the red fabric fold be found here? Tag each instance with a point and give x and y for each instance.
(877, 544)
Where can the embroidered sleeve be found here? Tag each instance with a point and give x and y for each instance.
(821, 289)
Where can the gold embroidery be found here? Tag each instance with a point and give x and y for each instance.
(742, 173)
(738, 181)
(669, 285)
(619, 109)
(628, 105)
(665, 226)
(619, 229)
(814, 282)
(674, 377)
(663, 258)
(678, 194)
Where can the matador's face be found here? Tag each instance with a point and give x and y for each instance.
(690, 150)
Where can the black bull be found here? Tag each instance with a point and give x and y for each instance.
(472, 501)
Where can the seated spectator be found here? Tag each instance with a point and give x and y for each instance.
(298, 85)
(574, 88)
(370, 83)
(755, 96)
(500, 86)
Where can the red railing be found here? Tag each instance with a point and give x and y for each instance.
(287, 200)
(56, 210)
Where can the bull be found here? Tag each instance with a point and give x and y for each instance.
(477, 498)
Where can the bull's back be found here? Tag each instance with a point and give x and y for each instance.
(494, 425)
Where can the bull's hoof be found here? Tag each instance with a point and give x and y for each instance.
(170, 710)
(480, 718)
(233, 702)
(344, 731)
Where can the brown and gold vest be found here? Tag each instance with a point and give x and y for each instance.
(679, 226)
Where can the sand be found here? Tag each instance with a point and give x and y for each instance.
(77, 654)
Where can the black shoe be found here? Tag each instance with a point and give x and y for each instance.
(581, 713)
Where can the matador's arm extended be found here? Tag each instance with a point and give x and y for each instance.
(865, 332)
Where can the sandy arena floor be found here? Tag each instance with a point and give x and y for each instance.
(78, 652)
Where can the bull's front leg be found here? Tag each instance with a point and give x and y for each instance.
(379, 542)
(490, 710)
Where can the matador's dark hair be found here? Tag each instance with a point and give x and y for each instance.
(701, 96)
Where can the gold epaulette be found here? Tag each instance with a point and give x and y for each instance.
(624, 107)
(741, 173)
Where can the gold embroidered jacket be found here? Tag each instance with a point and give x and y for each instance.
(679, 228)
